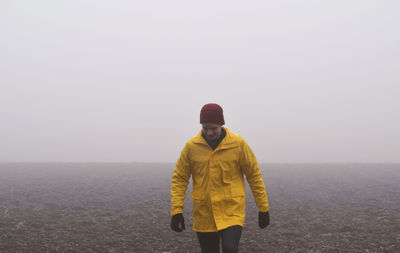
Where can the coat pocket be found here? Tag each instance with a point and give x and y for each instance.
(226, 175)
(235, 188)
(235, 206)
(230, 170)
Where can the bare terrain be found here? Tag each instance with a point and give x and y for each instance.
(124, 207)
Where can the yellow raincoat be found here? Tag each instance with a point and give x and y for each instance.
(218, 182)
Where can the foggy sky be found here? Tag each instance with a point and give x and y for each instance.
(124, 81)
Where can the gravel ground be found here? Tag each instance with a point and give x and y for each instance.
(124, 207)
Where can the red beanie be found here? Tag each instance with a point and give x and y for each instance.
(212, 113)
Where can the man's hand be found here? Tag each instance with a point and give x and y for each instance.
(263, 219)
(177, 220)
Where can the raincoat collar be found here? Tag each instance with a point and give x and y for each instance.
(228, 142)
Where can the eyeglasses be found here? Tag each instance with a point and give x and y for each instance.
(211, 128)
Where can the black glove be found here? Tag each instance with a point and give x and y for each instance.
(263, 219)
(176, 220)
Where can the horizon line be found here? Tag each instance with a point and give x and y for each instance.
(165, 162)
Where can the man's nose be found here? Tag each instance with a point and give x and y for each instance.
(209, 132)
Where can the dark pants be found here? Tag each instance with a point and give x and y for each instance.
(209, 241)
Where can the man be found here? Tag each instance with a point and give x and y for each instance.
(217, 160)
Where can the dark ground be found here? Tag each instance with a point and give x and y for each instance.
(62, 207)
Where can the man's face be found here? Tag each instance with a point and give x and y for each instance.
(212, 131)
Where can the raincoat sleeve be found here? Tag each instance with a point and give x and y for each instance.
(180, 181)
(251, 169)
